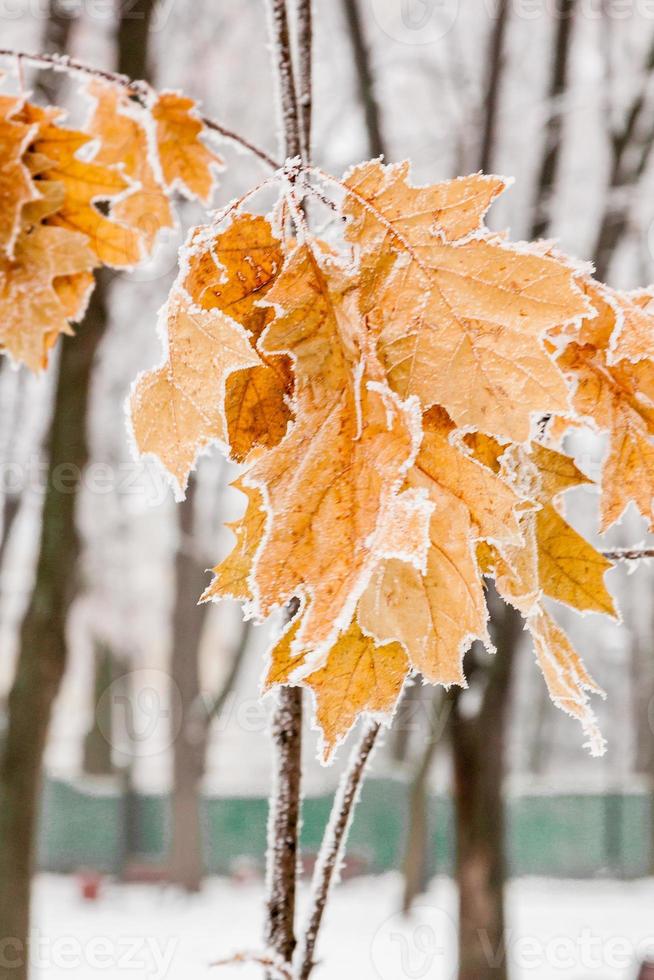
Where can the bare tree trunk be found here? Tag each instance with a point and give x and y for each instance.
(553, 131)
(98, 741)
(416, 864)
(365, 79)
(189, 748)
(492, 98)
(285, 805)
(479, 757)
(631, 148)
(43, 647)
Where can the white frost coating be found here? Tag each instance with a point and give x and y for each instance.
(214, 166)
(404, 529)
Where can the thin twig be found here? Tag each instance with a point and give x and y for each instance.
(365, 79)
(280, 971)
(138, 88)
(628, 554)
(333, 846)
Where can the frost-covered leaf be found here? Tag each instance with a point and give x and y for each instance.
(185, 161)
(177, 409)
(145, 207)
(16, 187)
(460, 318)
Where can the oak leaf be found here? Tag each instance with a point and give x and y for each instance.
(231, 576)
(16, 188)
(85, 183)
(617, 396)
(460, 318)
(233, 271)
(34, 310)
(124, 143)
(177, 410)
(185, 160)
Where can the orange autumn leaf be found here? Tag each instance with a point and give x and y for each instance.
(435, 614)
(231, 576)
(177, 409)
(233, 271)
(358, 676)
(460, 320)
(332, 480)
(185, 160)
(33, 311)
(124, 143)
(84, 183)
(618, 397)
(16, 187)
(568, 681)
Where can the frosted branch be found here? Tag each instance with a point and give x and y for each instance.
(139, 89)
(333, 846)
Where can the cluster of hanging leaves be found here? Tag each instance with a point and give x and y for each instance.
(396, 394)
(73, 200)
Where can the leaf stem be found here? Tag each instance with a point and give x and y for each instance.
(139, 89)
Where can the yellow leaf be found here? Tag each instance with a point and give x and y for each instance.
(177, 410)
(16, 188)
(231, 576)
(185, 161)
(460, 322)
(569, 568)
(567, 679)
(358, 676)
(490, 500)
(32, 312)
(124, 143)
(435, 615)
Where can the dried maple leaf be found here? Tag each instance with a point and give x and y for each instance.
(84, 183)
(16, 187)
(233, 271)
(330, 484)
(359, 675)
(554, 557)
(185, 160)
(32, 310)
(437, 611)
(231, 576)
(460, 319)
(124, 143)
(568, 681)
(617, 396)
(177, 409)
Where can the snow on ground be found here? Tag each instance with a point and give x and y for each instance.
(567, 930)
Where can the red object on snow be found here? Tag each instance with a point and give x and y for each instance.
(89, 884)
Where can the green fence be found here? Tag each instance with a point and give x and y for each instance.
(562, 835)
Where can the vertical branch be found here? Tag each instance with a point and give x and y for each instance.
(333, 845)
(284, 823)
(286, 78)
(364, 78)
(284, 817)
(553, 130)
(492, 99)
(305, 72)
